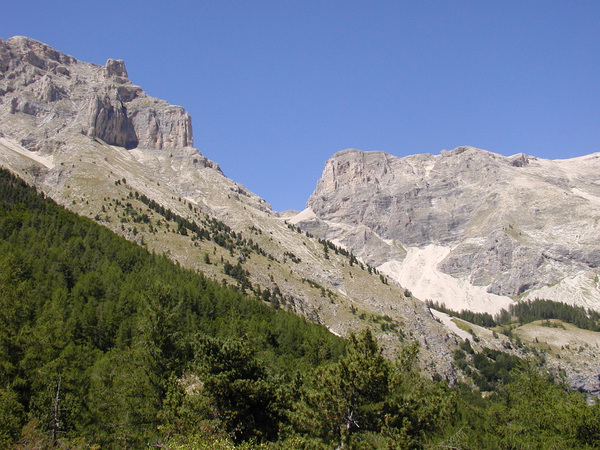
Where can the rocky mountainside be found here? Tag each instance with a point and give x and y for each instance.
(89, 138)
(469, 228)
(96, 143)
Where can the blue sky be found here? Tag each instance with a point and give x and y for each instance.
(276, 87)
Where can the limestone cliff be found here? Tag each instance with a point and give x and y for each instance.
(46, 95)
(510, 225)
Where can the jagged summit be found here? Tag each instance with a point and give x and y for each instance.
(19, 48)
(55, 94)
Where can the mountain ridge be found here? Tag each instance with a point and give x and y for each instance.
(89, 138)
(502, 220)
(51, 147)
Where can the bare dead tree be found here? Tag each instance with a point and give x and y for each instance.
(54, 428)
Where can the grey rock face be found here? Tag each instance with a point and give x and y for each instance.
(109, 121)
(45, 94)
(513, 223)
(116, 68)
(162, 127)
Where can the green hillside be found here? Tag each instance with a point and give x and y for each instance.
(116, 326)
(104, 345)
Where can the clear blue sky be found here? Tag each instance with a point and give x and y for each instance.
(276, 87)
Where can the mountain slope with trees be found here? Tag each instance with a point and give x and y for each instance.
(98, 145)
(106, 344)
(95, 328)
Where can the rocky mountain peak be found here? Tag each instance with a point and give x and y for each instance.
(56, 95)
(352, 169)
(507, 226)
(24, 50)
(116, 68)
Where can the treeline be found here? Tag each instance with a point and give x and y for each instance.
(209, 229)
(338, 250)
(528, 311)
(104, 345)
(539, 309)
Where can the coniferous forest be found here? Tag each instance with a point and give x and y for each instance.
(105, 345)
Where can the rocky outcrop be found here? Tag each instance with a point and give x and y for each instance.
(56, 95)
(19, 52)
(109, 121)
(511, 224)
(116, 68)
(161, 128)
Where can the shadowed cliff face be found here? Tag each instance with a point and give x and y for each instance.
(109, 121)
(513, 224)
(46, 94)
